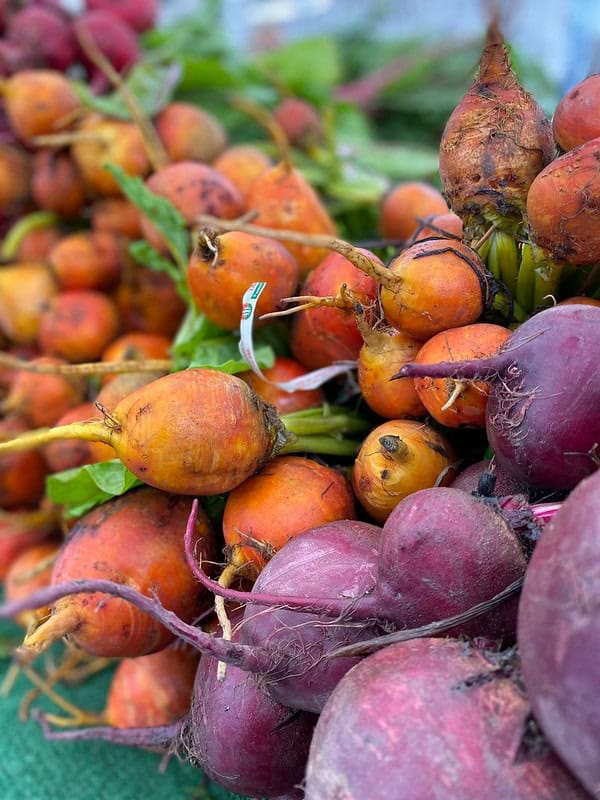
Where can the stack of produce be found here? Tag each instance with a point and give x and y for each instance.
(371, 468)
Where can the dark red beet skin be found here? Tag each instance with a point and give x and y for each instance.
(338, 560)
(429, 720)
(442, 551)
(242, 738)
(542, 415)
(559, 632)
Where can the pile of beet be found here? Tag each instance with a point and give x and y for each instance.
(367, 568)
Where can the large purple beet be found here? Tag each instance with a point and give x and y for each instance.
(431, 719)
(559, 632)
(336, 560)
(242, 738)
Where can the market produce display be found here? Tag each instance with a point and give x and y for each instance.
(299, 438)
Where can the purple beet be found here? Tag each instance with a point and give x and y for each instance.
(559, 632)
(234, 732)
(432, 719)
(542, 416)
(141, 15)
(240, 736)
(113, 37)
(488, 479)
(442, 551)
(45, 32)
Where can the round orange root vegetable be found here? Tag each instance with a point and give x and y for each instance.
(190, 133)
(136, 346)
(198, 431)
(148, 301)
(283, 198)
(383, 350)
(20, 530)
(29, 571)
(577, 116)
(290, 495)
(449, 224)
(39, 102)
(495, 142)
(562, 211)
(99, 141)
(78, 325)
(194, 189)
(111, 394)
(450, 401)
(56, 184)
(117, 215)
(135, 539)
(580, 301)
(86, 260)
(284, 369)
(15, 174)
(396, 459)
(405, 205)
(437, 284)
(242, 165)
(37, 244)
(152, 690)
(300, 121)
(222, 268)
(25, 290)
(322, 335)
(43, 399)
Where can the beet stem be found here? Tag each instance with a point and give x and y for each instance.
(359, 259)
(92, 431)
(474, 369)
(252, 659)
(157, 737)
(432, 629)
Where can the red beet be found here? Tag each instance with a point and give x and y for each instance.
(285, 649)
(45, 31)
(235, 732)
(115, 39)
(559, 632)
(141, 15)
(415, 583)
(432, 719)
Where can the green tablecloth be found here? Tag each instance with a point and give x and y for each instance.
(32, 768)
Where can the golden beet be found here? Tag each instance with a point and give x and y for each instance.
(436, 284)
(495, 142)
(396, 459)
